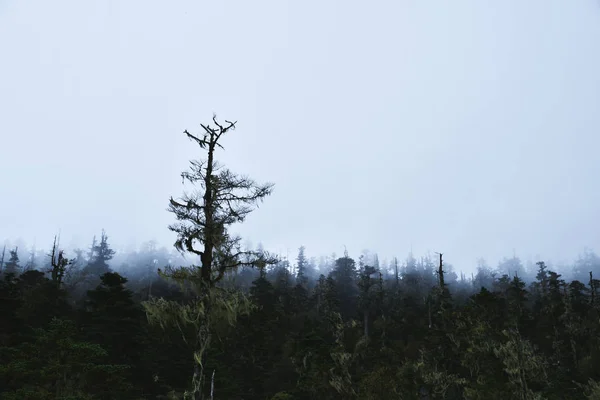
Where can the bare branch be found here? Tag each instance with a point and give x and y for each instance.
(201, 142)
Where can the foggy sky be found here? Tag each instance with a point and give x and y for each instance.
(466, 127)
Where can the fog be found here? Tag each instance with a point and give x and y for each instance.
(463, 127)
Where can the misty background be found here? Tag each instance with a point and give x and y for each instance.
(468, 128)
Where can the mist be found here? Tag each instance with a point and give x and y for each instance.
(464, 128)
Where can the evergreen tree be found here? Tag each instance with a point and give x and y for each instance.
(512, 267)
(100, 255)
(112, 319)
(516, 295)
(41, 300)
(13, 266)
(331, 296)
(302, 273)
(203, 218)
(345, 275)
(484, 276)
(10, 301)
(366, 300)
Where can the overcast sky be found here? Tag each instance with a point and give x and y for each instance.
(466, 127)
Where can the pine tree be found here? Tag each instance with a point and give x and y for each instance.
(301, 275)
(112, 319)
(100, 254)
(345, 276)
(542, 277)
(12, 266)
(512, 267)
(366, 300)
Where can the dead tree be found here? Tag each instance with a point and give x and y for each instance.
(441, 273)
(593, 288)
(59, 264)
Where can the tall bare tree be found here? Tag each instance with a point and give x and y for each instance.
(203, 216)
(220, 199)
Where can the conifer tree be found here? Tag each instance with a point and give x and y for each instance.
(366, 301)
(301, 274)
(345, 276)
(100, 254)
(203, 216)
(13, 266)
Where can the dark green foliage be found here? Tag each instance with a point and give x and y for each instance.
(10, 300)
(353, 334)
(56, 365)
(344, 284)
(41, 300)
(112, 318)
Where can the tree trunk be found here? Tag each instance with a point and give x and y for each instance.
(366, 323)
(197, 382)
(207, 254)
(212, 386)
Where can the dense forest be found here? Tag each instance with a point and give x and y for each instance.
(213, 319)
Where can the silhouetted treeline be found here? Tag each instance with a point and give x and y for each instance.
(334, 328)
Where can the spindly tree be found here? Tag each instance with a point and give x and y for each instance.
(59, 264)
(301, 275)
(366, 299)
(220, 199)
